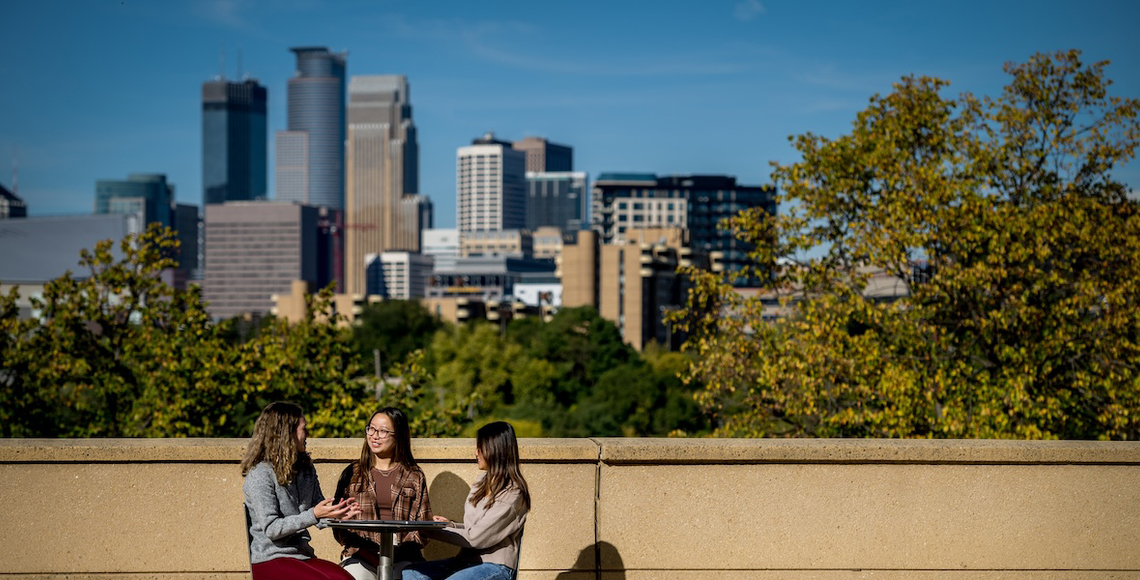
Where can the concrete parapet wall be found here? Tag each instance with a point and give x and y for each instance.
(618, 508)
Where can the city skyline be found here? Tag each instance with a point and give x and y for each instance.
(99, 90)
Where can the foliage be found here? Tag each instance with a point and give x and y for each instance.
(1019, 253)
(394, 328)
(118, 353)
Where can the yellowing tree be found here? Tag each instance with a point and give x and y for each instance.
(1019, 253)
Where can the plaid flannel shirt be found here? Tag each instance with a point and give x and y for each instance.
(409, 502)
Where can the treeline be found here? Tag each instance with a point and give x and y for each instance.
(118, 353)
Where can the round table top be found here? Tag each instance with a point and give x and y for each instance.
(385, 525)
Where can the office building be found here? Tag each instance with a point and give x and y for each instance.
(544, 156)
(257, 249)
(547, 241)
(442, 244)
(188, 225)
(146, 195)
(382, 210)
(698, 203)
(632, 283)
(399, 275)
(310, 152)
(491, 180)
(487, 277)
(557, 199)
(36, 250)
(234, 133)
(11, 206)
(518, 243)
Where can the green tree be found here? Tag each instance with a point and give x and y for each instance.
(1021, 321)
(394, 328)
(108, 349)
(120, 353)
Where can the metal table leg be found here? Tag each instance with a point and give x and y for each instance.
(387, 557)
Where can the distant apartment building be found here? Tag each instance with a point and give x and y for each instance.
(382, 210)
(698, 203)
(398, 275)
(234, 141)
(491, 186)
(310, 152)
(147, 195)
(11, 206)
(557, 199)
(631, 283)
(519, 243)
(544, 156)
(294, 308)
(257, 249)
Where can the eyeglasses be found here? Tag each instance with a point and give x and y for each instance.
(378, 433)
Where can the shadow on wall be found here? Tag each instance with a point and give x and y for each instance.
(447, 493)
(601, 557)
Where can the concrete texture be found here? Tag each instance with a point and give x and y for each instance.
(642, 508)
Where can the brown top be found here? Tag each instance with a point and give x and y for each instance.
(382, 487)
(408, 500)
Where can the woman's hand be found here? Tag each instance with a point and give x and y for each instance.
(443, 519)
(345, 510)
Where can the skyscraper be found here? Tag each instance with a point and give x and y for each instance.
(491, 186)
(557, 199)
(623, 202)
(146, 195)
(542, 155)
(382, 211)
(234, 133)
(255, 249)
(310, 154)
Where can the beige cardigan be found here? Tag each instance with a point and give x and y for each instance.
(489, 534)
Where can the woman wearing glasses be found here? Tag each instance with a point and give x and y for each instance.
(387, 485)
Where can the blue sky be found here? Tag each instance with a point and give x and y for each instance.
(99, 88)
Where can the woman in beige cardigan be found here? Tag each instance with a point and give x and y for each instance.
(493, 515)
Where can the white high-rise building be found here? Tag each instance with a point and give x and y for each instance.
(491, 186)
(398, 275)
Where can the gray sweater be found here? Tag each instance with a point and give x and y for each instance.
(489, 534)
(280, 514)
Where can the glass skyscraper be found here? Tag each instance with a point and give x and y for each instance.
(557, 198)
(310, 154)
(234, 134)
(146, 195)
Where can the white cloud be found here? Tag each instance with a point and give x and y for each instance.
(746, 10)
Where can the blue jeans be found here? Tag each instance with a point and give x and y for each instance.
(456, 569)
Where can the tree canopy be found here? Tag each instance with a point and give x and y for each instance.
(1018, 252)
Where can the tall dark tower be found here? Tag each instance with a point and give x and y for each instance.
(234, 134)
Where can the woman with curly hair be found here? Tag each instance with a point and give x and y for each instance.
(387, 485)
(493, 515)
(283, 498)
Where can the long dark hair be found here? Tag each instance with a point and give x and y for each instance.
(500, 450)
(402, 455)
(275, 440)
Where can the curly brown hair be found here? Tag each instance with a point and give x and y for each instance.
(275, 440)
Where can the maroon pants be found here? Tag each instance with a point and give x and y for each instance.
(294, 569)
